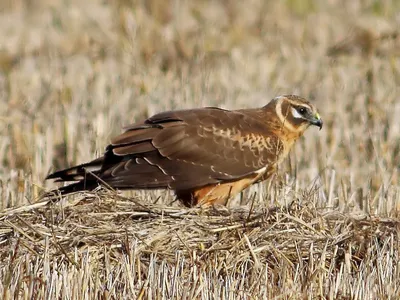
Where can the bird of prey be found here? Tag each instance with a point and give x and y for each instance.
(206, 155)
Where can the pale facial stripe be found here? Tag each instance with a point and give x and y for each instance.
(283, 118)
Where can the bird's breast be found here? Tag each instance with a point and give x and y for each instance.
(253, 141)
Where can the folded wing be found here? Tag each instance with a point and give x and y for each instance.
(181, 150)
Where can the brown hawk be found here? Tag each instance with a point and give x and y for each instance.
(206, 155)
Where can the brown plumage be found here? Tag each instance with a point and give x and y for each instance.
(205, 155)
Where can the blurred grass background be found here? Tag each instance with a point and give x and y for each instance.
(72, 73)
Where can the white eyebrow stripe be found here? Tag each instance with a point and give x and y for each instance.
(305, 105)
(296, 114)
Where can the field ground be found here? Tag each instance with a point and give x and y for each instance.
(72, 73)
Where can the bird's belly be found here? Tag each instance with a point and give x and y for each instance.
(221, 193)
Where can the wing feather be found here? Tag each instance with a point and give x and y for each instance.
(200, 146)
(142, 133)
(131, 149)
(187, 149)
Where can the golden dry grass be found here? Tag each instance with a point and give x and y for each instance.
(72, 73)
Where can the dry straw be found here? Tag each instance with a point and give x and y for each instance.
(106, 245)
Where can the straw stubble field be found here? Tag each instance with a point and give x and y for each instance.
(72, 73)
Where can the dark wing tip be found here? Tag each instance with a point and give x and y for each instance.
(53, 175)
(63, 175)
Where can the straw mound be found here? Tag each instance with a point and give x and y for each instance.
(264, 235)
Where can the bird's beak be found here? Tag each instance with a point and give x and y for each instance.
(317, 121)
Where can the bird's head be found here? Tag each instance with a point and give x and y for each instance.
(296, 113)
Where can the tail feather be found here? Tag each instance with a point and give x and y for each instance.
(85, 174)
(79, 172)
(83, 185)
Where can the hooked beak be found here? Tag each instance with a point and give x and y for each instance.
(317, 121)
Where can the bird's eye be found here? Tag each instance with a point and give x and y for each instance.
(302, 110)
